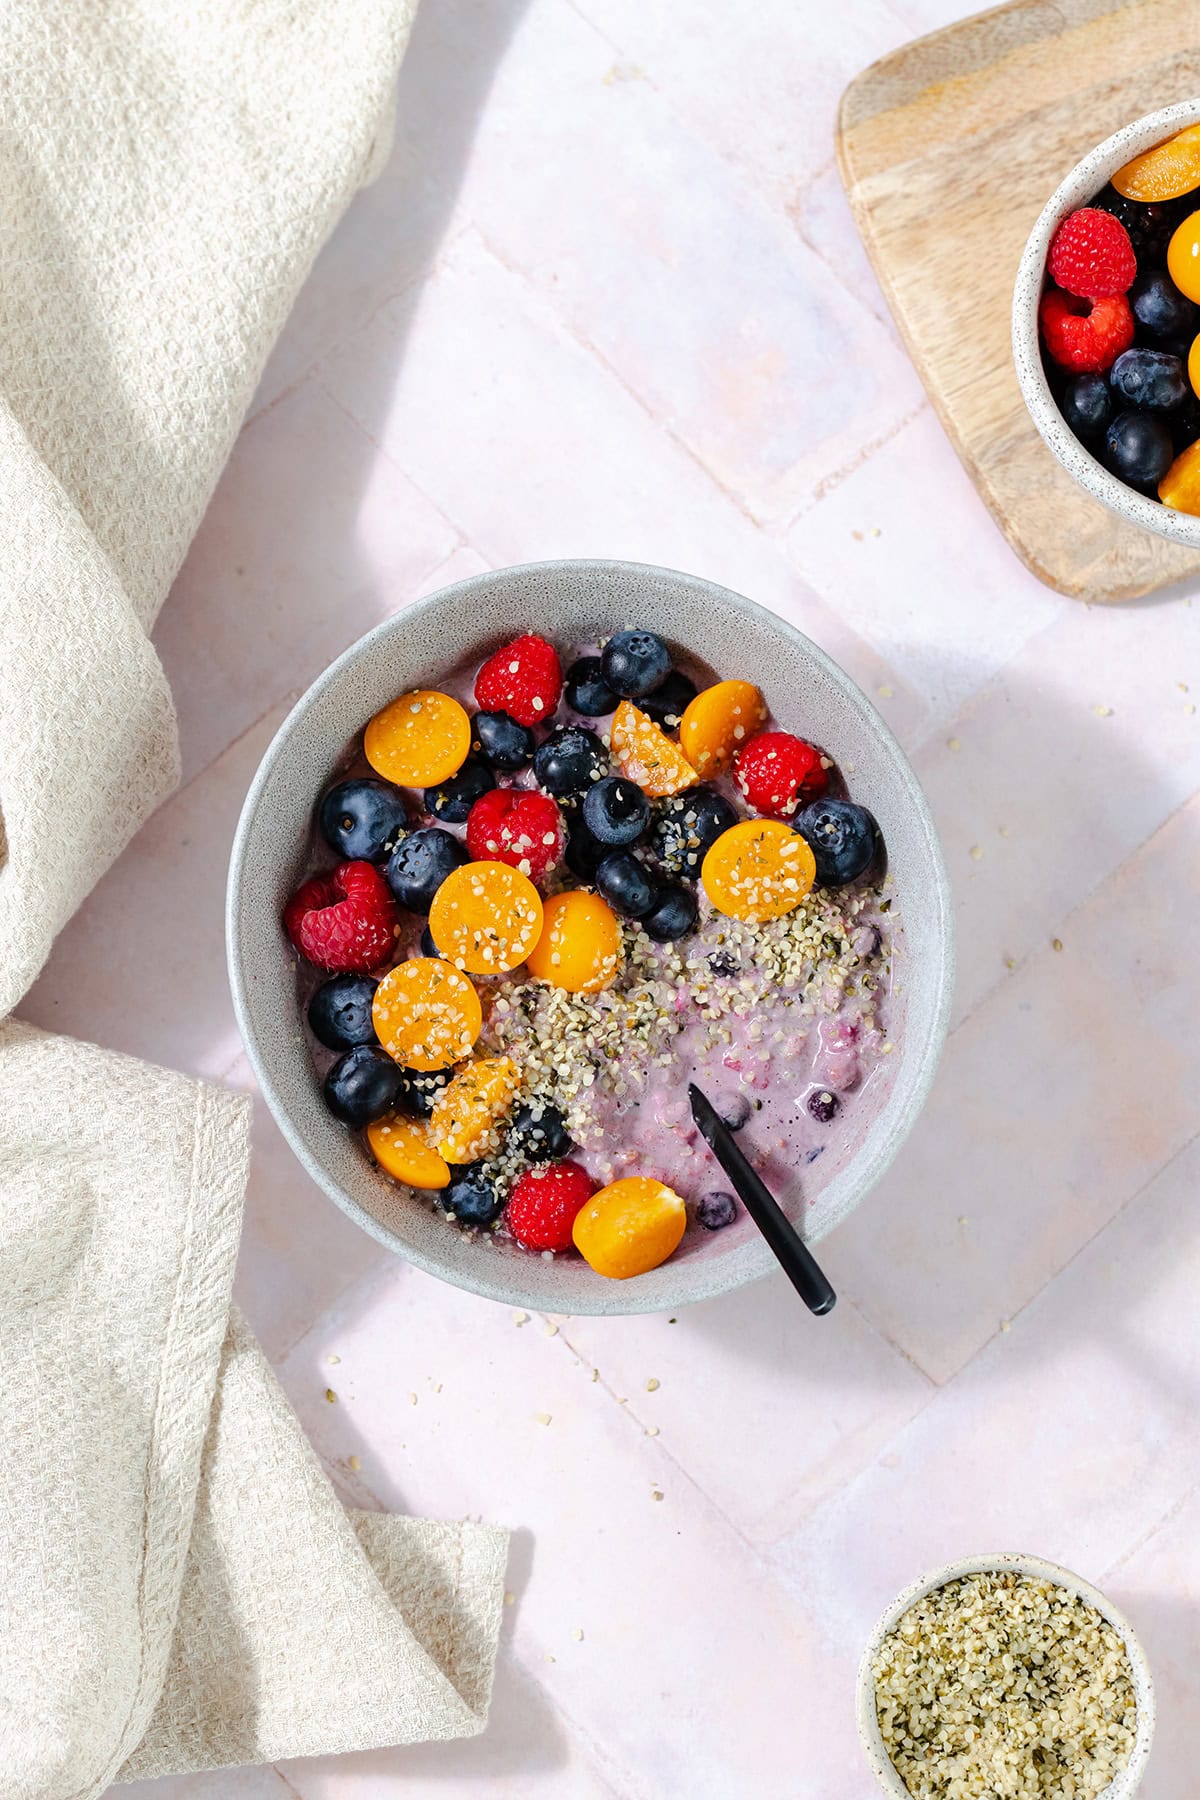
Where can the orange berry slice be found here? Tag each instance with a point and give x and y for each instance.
(1180, 486)
(486, 917)
(471, 1105)
(580, 945)
(1164, 173)
(760, 869)
(426, 1014)
(1193, 365)
(629, 1227)
(402, 1148)
(647, 755)
(421, 738)
(719, 721)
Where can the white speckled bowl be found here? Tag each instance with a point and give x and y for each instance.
(573, 603)
(1126, 1783)
(1085, 180)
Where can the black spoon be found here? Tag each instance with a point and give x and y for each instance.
(788, 1247)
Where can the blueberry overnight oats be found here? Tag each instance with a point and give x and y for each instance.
(537, 907)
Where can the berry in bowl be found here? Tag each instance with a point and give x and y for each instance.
(1106, 323)
(531, 857)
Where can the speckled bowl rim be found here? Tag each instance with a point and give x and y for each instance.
(1086, 179)
(1127, 1782)
(751, 1260)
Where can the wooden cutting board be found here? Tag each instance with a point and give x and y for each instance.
(949, 149)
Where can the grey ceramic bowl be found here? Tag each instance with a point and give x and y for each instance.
(1126, 1783)
(1085, 180)
(573, 603)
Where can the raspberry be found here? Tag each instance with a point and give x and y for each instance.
(344, 921)
(776, 771)
(1082, 335)
(544, 1202)
(1091, 255)
(519, 827)
(523, 679)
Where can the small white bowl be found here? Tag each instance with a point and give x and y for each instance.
(1085, 180)
(1127, 1782)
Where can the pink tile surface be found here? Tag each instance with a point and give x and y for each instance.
(606, 300)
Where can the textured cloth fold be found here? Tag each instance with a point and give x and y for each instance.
(181, 1587)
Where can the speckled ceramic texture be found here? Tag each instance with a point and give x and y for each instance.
(1130, 1778)
(572, 603)
(1086, 179)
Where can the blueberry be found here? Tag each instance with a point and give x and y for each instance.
(472, 1196)
(339, 1013)
(504, 743)
(1185, 423)
(723, 964)
(822, 1105)
(1150, 380)
(587, 691)
(1086, 405)
(584, 853)
(1162, 312)
(668, 703)
(684, 826)
(1138, 448)
(733, 1110)
(615, 810)
(635, 663)
(715, 1211)
(419, 1089)
(571, 758)
(428, 947)
(843, 838)
(420, 864)
(453, 798)
(542, 1131)
(363, 820)
(362, 1085)
(626, 884)
(673, 914)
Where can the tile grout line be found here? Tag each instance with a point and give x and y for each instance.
(1151, 1531)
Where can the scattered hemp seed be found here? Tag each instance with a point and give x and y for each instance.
(543, 1418)
(510, 1599)
(595, 1374)
(885, 692)
(656, 1493)
(356, 1464)
(552, 1331)
(550, 1658)
(577, 1634)
(1000, 1683)
(1102, 712)
(653, 1385)
(1006, 1324)
(954, 743)
(1189, 707)
(330, 1396)
(412, 1399)
(652, 1431)
(976, 853)
(333, 1359)
(1010, 962)
(520, 1318)
(1056, 943)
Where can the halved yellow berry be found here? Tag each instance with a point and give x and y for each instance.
(629, 1227)
(420, 739)
(647, 755)
(486, 917)
(1180, 486)
(426, 1014)
(580, 945)
(718, 722)
(1183, 258)
(471, 1105)
(760, 869)
(401, 1146)
(1193, 365)
(1164, 173)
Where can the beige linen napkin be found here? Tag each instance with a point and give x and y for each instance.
(179, 1587)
